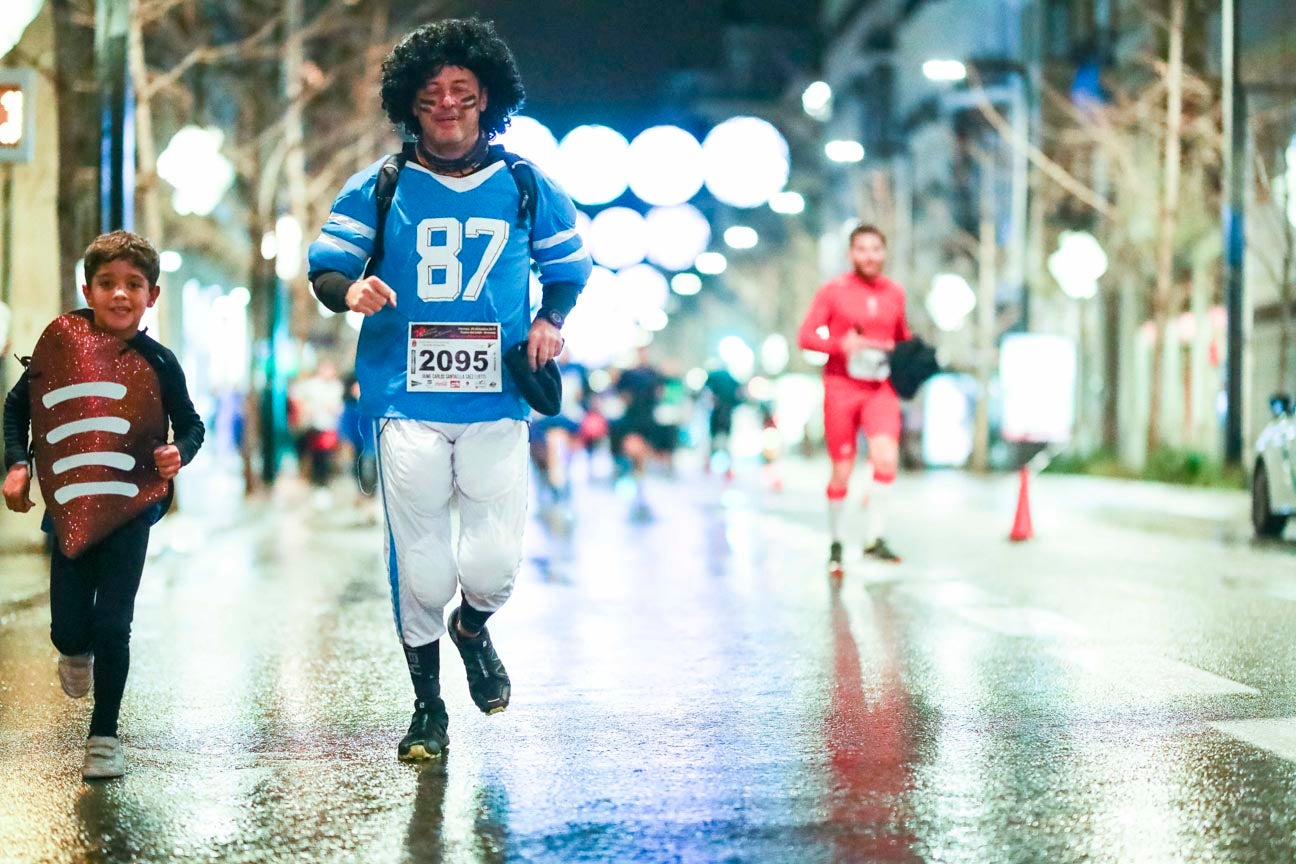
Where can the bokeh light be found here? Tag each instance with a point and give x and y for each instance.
(665, 165)
(950, 301)
(775, 353)
(654, 320)
(618, 238)
(686, 284)
(844, 151)
(741, 237)
(737, 357)
(711, 263)
(676, 236)
(816, 100)
(645, 289)
(602, 325)
(592, 164)
(194, 165)
(532, 140)
(787, 203)
(746, 161)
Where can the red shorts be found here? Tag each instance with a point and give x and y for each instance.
(850, 406)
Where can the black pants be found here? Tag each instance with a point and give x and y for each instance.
(92, 604)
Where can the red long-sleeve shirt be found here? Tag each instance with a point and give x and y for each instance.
(876, 309)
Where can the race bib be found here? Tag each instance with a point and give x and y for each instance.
(868, 364)
(454, 358)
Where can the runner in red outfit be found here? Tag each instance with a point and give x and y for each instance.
(856, 319)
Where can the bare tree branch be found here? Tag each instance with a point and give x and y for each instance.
(1053, 170)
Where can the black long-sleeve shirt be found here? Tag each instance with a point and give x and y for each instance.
(186, 426)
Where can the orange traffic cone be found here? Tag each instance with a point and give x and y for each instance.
(1021, 529)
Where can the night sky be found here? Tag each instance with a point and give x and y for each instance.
(603, 61)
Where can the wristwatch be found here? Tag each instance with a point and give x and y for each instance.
(553, 316)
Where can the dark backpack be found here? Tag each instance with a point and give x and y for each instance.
(389, 176)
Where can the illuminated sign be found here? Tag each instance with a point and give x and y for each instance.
(1037, 377)
(17, 113)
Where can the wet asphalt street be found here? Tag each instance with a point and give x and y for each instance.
(694, 688)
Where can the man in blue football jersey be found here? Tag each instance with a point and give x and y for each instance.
(445, 294)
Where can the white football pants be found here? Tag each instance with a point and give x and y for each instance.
(422, 465)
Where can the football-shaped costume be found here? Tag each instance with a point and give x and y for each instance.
(97, 416)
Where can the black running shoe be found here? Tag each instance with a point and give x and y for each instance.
(488, 682)
(881, 552)
(835, 559)
(426, 738)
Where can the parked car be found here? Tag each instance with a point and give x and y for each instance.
(1273, 484)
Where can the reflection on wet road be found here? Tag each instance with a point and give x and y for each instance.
(692, 688)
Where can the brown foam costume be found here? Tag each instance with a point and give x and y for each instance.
(97, 416)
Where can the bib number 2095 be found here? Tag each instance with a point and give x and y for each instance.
(454, 357)
(453, 361)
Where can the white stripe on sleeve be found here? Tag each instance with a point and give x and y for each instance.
(575, 256)
(554, 240)
(342, 246)
(353, 225)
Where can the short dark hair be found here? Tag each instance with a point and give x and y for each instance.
(865, 228)
(122, 246)
(467, 42)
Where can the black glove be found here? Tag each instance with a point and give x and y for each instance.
(542, 389)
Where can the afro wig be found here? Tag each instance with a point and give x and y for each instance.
(467, 42)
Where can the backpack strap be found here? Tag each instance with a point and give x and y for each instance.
(525, 180)
(384, 192)
(389, 174)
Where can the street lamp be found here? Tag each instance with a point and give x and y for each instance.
(686, 284)
(618, 238)
(593, 164)
(741, 237)
(665, 166)
(1078, 264)
(844, 151)
(817, 100)
(787, 203)
(950, 301)
(532, 140)
(944, 70)
(195, 167)
(746, 161)
(676, 236)
(711, 263)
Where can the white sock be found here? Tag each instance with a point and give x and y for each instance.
(835, 510)
(876, 511)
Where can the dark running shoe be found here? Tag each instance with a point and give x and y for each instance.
(835, 560)
(881, 552)
(488, 682)
(426, 738)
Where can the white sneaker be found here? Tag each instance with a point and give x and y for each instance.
(103, 759)
(76, 673)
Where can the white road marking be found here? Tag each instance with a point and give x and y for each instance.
(1277, 734)
(1150, 677)
(1022, 621)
